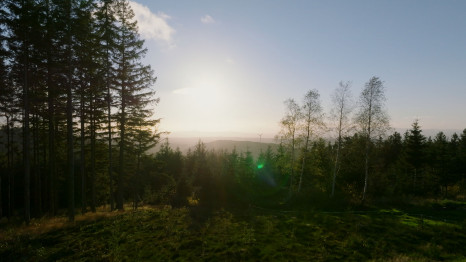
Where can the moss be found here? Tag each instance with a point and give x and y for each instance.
(164, 234)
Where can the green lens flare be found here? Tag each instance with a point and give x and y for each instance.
(260, 166)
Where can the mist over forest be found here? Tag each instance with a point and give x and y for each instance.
(87, 174)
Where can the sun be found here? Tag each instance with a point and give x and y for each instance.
(203, 95)
(204, 98)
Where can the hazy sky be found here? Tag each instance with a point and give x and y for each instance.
(225, 67)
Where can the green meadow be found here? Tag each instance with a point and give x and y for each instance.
(435, 231)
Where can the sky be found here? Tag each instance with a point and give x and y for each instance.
(224, 68)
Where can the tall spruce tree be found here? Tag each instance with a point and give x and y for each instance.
(106, 31)
(90, 89)
(415, 150)
(6, 93)
(96, 100)
(20, 19)
(69, 67)
(462, 159)
(132, 81)
(440, 149)
(52, 101)
(142, 136)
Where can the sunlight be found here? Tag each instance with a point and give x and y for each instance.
(204, 96)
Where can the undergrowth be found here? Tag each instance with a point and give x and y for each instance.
(252, 234)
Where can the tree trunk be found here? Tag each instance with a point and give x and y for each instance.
(44, 162)
(110, 168)
(121, 158)
(292, 163)
(26, 138)
(337, 157)
(109, 115)
(302, 170)
(368, 141)
(8, 164)
(336, 166)
(51, 119)
(304, 158)
(83, 157)
(1, 201)
(69, 123)
(70, 153)
(11, 178)
(122, 138)
(366, 170)
(93, 137)
(52, 155)
(36, 165)
(136, 178)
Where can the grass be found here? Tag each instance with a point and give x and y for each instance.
(422, 233)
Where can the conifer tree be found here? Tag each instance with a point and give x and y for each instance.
(462, 158)
(89, 80)
(132, 82)
(142, 136)
(52, 100)
(415, 148)
(106, 31)
(19, 21)
(6, 92)
(69, 67)
(440, 163)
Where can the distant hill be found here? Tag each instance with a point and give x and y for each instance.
(220, 143)
(241, 146)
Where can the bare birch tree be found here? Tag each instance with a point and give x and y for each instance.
(340, 114)
(312, 117)
(372, 118)
(290, 125)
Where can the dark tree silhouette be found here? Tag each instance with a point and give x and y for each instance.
(132, 82)
(415, 148)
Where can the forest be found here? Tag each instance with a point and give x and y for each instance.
(75, 102)
(78, 117)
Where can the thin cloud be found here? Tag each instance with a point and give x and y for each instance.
(153, 26)
(207, 19)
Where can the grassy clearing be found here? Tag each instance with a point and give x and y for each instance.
(163, 233)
